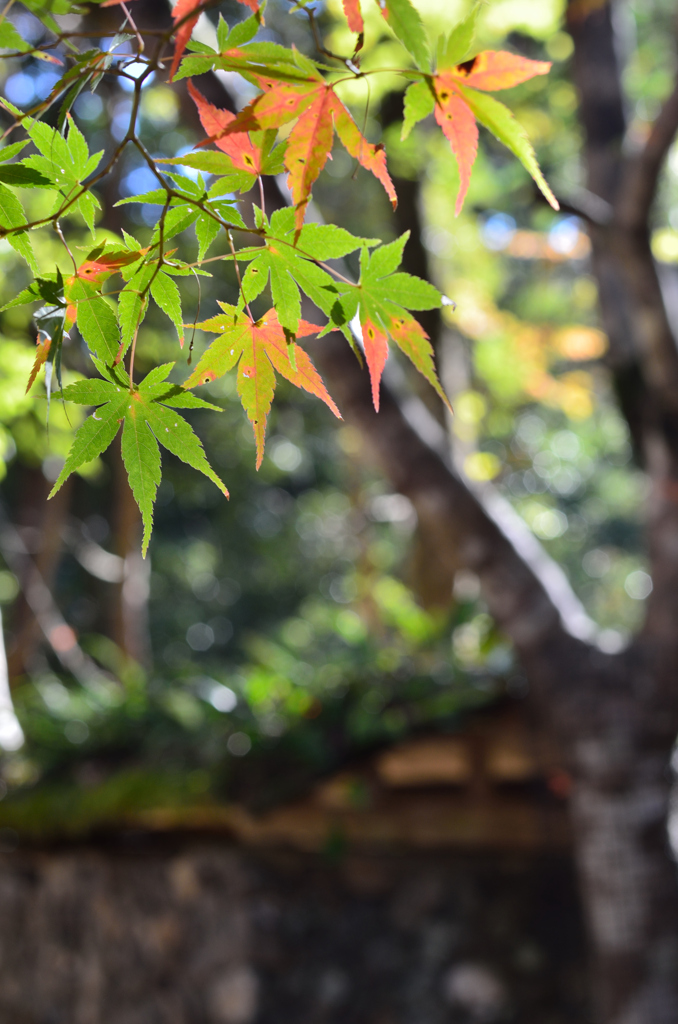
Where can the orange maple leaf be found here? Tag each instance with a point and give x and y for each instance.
(214, 120)
(278, 103)
(354, 15)
(308, 148)
(375, 343)
(490, 70)
(43, 348)
(100, 267)
(259, 348)
(459, 126)
(319, 111)
(372, 157)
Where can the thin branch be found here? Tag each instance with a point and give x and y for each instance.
(40, 600)
(130, 19)
(57, 228)
(585, 205)
(237, 273)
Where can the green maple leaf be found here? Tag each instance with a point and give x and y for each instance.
(288, 260)
(383, 298)
(258, 349)
(65, 163)
(149, 418)
(420, 101)
(405, 21)
(454, 48)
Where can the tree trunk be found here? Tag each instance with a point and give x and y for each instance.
(629, 892)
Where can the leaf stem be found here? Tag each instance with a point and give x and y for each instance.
(57, 228)
(237, 273)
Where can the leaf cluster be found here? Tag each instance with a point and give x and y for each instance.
(289, 126)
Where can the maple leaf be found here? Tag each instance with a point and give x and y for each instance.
(181, 11)
(238, 53)
(320, 112)
(50, 321)
(492, 70)
(258, 348)
(96, 269)
(383, 296)
(148, 417)
(100, 265)
(380, 299)
(308, 149)
(405, 21)
(372, 157)
(287, 258)
(455, 96)
(238, 147)
(458, 123)
(278, 103)
(43, 348)
(354, 16)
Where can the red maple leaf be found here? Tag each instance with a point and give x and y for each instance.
(258, 348)
(459, 126)
(490, 70)
(354, 15)
(183, 34)
(214, 120)
(320, 112)
(375, 343)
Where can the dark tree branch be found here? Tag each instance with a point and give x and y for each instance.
(641, 172)
(643, 353)
(466, 537)
(601, 100)
(585, 205)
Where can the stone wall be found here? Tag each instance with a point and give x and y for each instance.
(149, 930)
